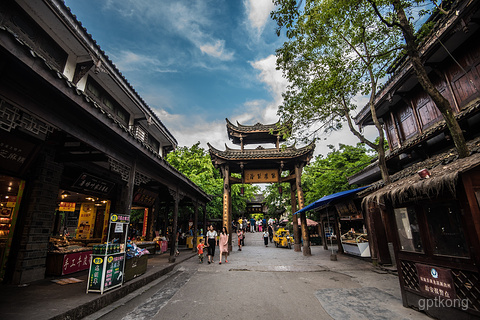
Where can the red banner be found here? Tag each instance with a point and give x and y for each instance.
(77, 261)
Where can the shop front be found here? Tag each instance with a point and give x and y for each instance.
(353, 233)
(81, 222)
(436, 223)
(11, 191)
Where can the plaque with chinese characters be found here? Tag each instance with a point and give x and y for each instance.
(261, 176)
(436, 282)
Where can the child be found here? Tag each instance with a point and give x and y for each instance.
(200, 250)
(265, 237)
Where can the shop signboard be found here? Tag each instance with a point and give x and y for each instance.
(67, 206)
(76, 261)
(16, 154)
(89, 183)
(144, 197)
(435, 282)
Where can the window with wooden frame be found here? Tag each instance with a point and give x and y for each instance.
(406, 122)
(105, 100)
(464, 73)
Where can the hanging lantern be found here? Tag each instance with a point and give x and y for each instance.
(280, 189)
(242, 190)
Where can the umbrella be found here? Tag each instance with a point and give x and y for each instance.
(310, 223)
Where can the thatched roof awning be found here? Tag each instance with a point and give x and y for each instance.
(443, 179)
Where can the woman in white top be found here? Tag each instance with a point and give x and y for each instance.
(211, 241)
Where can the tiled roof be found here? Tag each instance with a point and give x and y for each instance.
(107, 58)
(262, 153)
(444, 169)
(258, 127)
(102, 112)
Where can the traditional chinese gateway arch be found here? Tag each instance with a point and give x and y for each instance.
(263, 165)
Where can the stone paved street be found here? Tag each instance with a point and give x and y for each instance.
(268, 283)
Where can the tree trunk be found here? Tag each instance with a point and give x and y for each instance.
(442, 104)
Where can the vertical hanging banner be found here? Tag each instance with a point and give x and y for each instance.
(226, 204)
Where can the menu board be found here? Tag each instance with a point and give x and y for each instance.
(96, 273)
(114, 270)
(106, 270)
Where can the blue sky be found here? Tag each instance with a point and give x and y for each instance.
(195, 62)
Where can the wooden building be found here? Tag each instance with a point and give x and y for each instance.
(431, 211)
(76, 142)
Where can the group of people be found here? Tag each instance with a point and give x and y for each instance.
(214, 239)
(252, 225)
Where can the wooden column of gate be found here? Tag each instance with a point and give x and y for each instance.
(227, 205)
(303, 217)
(296, 234)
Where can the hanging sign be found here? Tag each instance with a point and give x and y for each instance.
(144, 197)
(346, 208)
(67, 206)
(261, 176)
(89, 183)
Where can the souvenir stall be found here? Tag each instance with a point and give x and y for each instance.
(353, 232)
(81, 221)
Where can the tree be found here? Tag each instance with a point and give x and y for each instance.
(328, 174)
(275, 201)
(336, 51)
(195, 164)
(396, 17)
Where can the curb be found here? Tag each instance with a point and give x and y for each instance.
(112, 296)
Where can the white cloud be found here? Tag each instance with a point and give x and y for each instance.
(130, 61)
(192, 20)
(258, 14)
(217, 50)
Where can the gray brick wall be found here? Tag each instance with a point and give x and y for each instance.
(39, 217)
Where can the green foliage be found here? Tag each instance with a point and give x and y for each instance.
(323, 176)
(195, 164)
(277, 202)
(336, 51)
(328, 175)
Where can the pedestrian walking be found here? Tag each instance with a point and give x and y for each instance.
(240, 239)
(223, 244)
(252, 225)
(211, 240)
(200, 247)
(259, 225)
(265, 237)
(270, 233)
